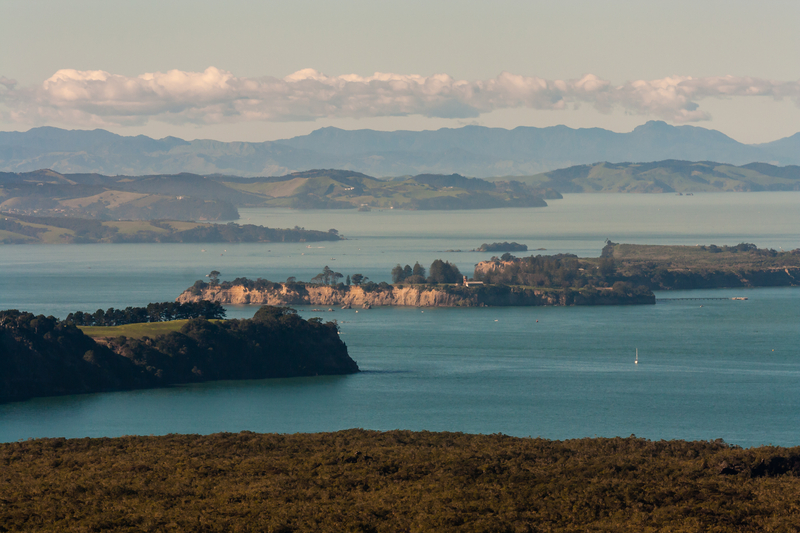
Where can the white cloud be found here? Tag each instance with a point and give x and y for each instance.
(214, 96)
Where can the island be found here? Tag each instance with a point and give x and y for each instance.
(502, 247)
(444, 286)
(27, 229)
(623, 274)
(357, 480)
(44, 356)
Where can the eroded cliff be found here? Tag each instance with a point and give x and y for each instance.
(405, 295)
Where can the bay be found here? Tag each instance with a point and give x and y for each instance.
(705, 372)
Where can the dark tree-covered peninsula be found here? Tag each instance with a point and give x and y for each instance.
(43, 356)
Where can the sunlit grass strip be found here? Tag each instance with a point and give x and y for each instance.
(135, 331)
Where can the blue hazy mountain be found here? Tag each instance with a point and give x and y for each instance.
(470, 151)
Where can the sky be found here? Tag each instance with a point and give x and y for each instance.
(247, 70)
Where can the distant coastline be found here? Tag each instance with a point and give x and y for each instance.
(24, 229)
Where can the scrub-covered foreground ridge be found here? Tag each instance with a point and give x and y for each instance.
(360, 480)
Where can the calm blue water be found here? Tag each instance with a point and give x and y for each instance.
(728, 369)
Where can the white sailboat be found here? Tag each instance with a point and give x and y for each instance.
(636, 362)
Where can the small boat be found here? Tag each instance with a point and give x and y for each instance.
(636, 362)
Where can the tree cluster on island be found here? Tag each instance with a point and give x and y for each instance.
(502, 247)
(408, 274)
(44, 356)
(439, 272)
(358, 480)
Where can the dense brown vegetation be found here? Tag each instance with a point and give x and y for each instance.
(395, 481)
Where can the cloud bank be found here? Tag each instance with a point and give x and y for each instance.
(98, 98)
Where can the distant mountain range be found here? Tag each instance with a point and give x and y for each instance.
(470, 151)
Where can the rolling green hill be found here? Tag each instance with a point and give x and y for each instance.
(340, 189)
(194, 197)
(667, 176)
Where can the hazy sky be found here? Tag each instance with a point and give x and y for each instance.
(262, 70)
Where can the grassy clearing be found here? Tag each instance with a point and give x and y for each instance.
(15, 236)
(694, 257)
(132, 227)
(178, 225)
(275, 189)
(53, 235)
(136, 331)
(112, 199)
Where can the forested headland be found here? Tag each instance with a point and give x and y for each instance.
(360, 480)
(44, 356)
(650, 266)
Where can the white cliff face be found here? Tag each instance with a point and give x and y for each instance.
(330, 296)
(411, 296)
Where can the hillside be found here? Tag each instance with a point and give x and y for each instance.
(471, 150)
(195, 197)
(26, 229)
(181, 197)
(338, 189)
(667, 176)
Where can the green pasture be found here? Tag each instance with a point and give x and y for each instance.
(136, 331)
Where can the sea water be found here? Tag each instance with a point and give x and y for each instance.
(708, 368)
